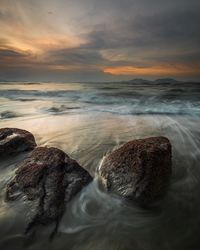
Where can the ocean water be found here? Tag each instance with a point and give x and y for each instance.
(87, 121)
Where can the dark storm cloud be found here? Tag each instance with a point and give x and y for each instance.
(76, 56)
(166, 29)
(110, 33)
(84, 55)
(8, 53)
(176, 31)
(172, 34)
(180, 27)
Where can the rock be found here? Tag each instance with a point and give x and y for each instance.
(13, 140)
(8, 114)
(140, 170)
(52, 178)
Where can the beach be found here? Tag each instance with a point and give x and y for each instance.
(87, 121)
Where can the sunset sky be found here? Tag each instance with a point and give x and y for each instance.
(99, 40)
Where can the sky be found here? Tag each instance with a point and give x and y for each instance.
(99, 40)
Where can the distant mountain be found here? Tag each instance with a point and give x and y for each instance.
(140, 81)
(166, 80)
(157, 81)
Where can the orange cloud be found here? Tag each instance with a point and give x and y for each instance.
(77, 67)
(40, 45)
(64, 67)
(159, 70)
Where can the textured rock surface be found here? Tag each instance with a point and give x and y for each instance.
(13, 140)
(139, 170)
(51, 177)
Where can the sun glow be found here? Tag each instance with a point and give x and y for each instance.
(160, 70)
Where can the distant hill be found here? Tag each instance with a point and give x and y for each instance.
(140, 81)
(166, 80)
(157, 81)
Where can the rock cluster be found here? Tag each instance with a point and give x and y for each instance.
(48, 176)
(139, 170)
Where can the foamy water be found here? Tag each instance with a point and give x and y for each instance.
(87, 121)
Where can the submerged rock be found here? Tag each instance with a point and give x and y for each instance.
(8, 114)
(13, 140)
(61, 109)
(52, 178)
(139, 170)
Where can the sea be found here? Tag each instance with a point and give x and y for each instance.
(87, 121)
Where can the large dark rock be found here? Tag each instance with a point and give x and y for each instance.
(139, 170)
(52, 178)
(13, 141)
